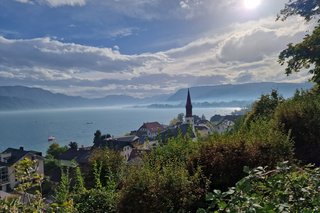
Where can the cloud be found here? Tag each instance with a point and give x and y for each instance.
(143, 9)
(244, 52)
(122, 32)
(55, 55)
(55, 3)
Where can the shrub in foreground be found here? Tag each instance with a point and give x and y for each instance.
(287, 188)
(222, 157)
(167, 188)
(301, 117)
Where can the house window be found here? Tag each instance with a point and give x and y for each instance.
(3, 174)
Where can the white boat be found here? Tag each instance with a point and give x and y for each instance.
(51, 138)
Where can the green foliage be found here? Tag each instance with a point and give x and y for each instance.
(29, 178)
(178, 149)
(96, 200)
(304, 55)
(73, 145)
(99, 199)
(111, 163)
(97, 167)
(264, 107)
(305, 8)
(62, 193)
(79, 182)
(301, 117)
(55, 150)
(11, 205)
(161, 188)
(165, 182)
(222, 157)
(65, 207)
(26, 173)
(285, 189)
(176, 120)
(97, 138)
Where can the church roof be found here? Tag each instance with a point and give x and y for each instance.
(188, 106)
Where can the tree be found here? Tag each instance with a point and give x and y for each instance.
(73, 145)
(177, 119)
(305, 8)
(180, 117)
(104, 163)
(55, 149)
(300, 117)
(264, 107)
(97, 138)
(304, 55)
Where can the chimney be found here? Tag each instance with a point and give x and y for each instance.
(21, 148)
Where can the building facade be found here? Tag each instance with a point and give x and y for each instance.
(9, 158)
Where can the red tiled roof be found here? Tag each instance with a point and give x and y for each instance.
(153, 126)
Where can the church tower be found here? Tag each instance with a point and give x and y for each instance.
(189, 118)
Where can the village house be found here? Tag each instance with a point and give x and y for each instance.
(79, 155)
(9, 158)
(202, 130)
(224, 123)
(124, 144)
(223, 126)
(149, 130)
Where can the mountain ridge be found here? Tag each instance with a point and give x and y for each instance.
(21, 97)
(237, 92)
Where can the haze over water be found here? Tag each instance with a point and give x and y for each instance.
(31, 129)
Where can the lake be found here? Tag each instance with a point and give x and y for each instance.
(31, 129)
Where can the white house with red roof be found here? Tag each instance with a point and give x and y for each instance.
(150, 130)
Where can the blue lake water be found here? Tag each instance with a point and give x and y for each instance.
(31, 129)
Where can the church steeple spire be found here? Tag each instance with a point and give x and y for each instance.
(188, 106)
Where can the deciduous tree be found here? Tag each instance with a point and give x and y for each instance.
(306, 54)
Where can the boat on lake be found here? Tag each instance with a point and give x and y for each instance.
(51, 138)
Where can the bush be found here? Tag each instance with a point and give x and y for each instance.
(264, 107)
(55, 150)
(301, 117)
(222, 157)
(111, 163)
(96, 200)
(284, 189)
(168, 188)
(178, 149)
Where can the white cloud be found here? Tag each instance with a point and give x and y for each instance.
(53, 54)
(56, 3)
(246, 53)
(121, 32)
(24, 1)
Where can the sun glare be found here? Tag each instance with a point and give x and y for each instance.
(251, 4)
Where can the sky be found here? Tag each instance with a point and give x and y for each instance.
(142, 48)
